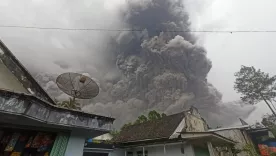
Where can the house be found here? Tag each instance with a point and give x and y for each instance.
(238, 134)
(245, 135)
(263, 140)
(97, 147)
(31, 123)
(181, 134)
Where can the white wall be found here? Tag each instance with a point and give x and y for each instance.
(75, 144)
(9, 81)
(171, 150)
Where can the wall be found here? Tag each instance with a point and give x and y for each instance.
(171, 150)
(8, 81)
(238, 136)
(75, 144)
(200, 151)
(194, 123)
(117, 152)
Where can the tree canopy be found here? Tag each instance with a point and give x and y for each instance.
(70, 104)
(269, 121)
(152, 115)
(255, 86)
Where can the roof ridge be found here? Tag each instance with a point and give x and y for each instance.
(162, 118)
(159, 128)
(26, 73)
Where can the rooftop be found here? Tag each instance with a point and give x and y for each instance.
(150, 130)
(34, 108)
(22, 74)
(38, 108)
(228, 128)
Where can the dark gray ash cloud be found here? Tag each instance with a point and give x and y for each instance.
(136, 71)
(165, 71)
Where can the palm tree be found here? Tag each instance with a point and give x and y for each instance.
(71, 104)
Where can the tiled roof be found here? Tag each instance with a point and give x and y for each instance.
(150, 130)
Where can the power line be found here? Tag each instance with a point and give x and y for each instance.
(136, 30)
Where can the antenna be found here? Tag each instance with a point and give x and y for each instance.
(77, 85)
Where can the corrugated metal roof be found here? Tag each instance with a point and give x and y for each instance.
(228, 128)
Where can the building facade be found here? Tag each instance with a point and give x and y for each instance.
(182, 134)
(31, 123)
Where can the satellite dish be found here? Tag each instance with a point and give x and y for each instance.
(77, 85)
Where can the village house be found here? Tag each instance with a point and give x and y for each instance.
(237, 134)
(31, 123)
(182, 134)
(248, 136)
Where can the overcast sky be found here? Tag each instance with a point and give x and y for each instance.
(39, 49)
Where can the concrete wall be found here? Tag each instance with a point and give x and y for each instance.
(171, 150)
(8, 81)
(238, 136)
(194, 124)
(75, 144)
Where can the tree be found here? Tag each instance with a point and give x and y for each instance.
(141, 119)
(71, 104)
(152, 115)
(255, 86)
(114, 133)
(269, 121)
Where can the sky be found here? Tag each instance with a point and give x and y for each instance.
(229, 51)
(41, 49)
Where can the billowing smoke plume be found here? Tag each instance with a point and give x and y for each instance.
(159, 67)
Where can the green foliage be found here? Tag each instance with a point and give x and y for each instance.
(272, 154)
(152, 115)
(235, 151)
(254, 85)
(250, 150)
(269, 122)
(71, 104)
(114, 133)
(141, 119)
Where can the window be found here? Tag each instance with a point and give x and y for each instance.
(140, 153)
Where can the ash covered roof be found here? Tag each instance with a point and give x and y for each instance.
(22, 74)
(155, 129)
